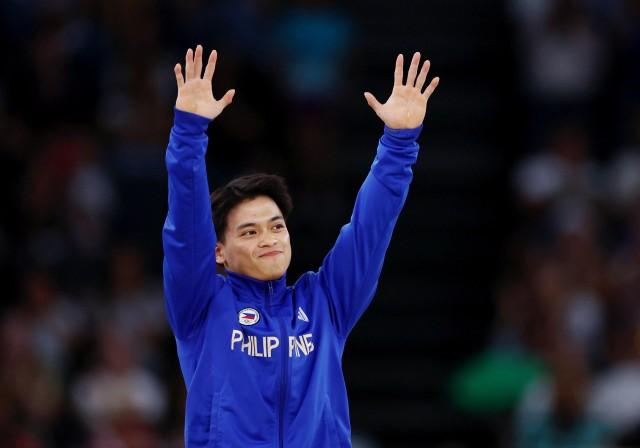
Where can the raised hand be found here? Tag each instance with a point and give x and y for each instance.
(407, 105)
(194, 93)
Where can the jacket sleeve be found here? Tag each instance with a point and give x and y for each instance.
(350, 271)
(188, 235)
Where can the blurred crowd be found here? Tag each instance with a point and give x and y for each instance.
(86, 102)
(568, 303)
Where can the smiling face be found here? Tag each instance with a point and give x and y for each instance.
(256, 240)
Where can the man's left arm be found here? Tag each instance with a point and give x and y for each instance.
(350, 271)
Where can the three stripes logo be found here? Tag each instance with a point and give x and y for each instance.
(301, 315)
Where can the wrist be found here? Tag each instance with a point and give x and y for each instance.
(189, 123)
(406, 135)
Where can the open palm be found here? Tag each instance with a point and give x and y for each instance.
(406, 107)
(195, 92)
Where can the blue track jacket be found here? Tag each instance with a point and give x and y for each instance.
(262, 361)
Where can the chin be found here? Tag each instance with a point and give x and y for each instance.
(272, 274)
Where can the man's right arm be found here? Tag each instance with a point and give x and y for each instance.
(188, 237)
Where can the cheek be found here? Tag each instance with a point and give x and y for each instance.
(249, 250)
(287, 247)
(240, 251)
(287, 244)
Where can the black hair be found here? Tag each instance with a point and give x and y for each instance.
(243, 188)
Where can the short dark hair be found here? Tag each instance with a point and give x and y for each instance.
(243, 188)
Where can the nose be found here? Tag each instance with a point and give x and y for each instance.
(267, 242)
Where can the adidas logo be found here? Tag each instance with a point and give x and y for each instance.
(301, 315)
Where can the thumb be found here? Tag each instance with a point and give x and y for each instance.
(228, 97)
(372, 101)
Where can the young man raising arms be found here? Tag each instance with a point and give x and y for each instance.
(262, 360)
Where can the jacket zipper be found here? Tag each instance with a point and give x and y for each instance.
(283, 377)
(269, 294)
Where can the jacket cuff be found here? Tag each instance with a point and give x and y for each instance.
(188, 123)
(400, 137)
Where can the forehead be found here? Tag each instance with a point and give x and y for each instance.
(261, 208)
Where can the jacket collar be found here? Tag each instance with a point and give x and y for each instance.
(259, 291)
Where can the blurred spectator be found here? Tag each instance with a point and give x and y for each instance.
(616, 393)
(313, 39)
(48, 35)
(135, 303)
(31, 391)
(47, 183)
(552, 413)
(493, 382)
(55, 322)
(582, 269)
(38, 341)
(563, 57)
(561, 171)
(90, 209)
(117, 394)
(625, 265)
(623, 173)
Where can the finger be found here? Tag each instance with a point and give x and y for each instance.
(413, 69)
(397, 75)
(422, 77)
(179, 79)
(211, 65)
(431, 87)
(372, 101)
(188, 65)
(198, 62)
(227, 98)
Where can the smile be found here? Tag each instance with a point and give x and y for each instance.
(271, 254)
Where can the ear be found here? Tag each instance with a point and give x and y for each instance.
(220, 258)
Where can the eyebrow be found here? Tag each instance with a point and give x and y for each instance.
(251, 224)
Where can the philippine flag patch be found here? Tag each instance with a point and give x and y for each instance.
(248, 316)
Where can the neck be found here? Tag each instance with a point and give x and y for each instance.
(252, 289)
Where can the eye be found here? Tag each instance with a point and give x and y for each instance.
(248, 233)
(278, 227)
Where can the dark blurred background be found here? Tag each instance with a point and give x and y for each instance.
(508, 309)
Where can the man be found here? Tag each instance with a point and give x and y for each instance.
(262, 360)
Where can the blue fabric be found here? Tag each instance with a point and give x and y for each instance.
(279, 381)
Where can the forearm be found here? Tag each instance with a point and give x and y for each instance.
(397, 152)
(384, 191)
(188, 235)
(189, 205)
(351, 270)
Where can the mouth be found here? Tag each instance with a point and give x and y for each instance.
(273, 253)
